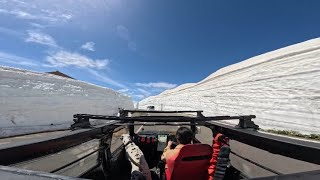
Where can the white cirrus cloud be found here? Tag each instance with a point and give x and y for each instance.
(132, 46)
(138, 96)
(88, 46)
(16, 60)
(144, 92)
(11, 32)
(41, 38)
(162, 85)
(103, 78)
(37, 11)
(46, 16)
(23, 14)
(123, 32)
(18, 13)
(65, 58)
(37, 25)
(123, 90)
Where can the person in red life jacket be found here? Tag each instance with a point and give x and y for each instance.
(221, 151)
(184, 136)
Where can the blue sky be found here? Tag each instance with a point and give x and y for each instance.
(143, 47)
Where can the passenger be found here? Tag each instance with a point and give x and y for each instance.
(184, 136)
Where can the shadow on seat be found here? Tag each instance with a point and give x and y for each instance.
(190, 163)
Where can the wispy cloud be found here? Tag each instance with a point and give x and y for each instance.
(103, 78)
(37, 12)
(41, 38)
(144, 92)
(123, 90)
(37, 25)
(56, 15)
(17, 13)
(10, 32)
(88, 46)
(43, 15)
(162, 85)
(65, 58)
(16, 60)
(138, 96)
(124, 34)
(132, 46)
(24, 15)
(139, 91)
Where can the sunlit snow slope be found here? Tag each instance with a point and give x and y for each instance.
(32, 101)
(282, 88)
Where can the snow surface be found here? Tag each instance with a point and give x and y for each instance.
(31, 101)
(282, 88)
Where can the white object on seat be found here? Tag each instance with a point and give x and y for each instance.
(136, 157)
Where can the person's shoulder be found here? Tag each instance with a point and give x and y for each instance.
(179, 146)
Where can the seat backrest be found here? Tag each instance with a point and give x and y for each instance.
(190, 163)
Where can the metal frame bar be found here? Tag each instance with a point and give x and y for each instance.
(161, 118)
(22, 152)
(82, 120)
(153, 111)
(157, 124)
(289, 147)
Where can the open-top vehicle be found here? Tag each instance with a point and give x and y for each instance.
(129, 146)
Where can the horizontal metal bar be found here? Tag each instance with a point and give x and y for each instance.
(162, 118)
(294, 148)
(153, 111)
(157, 124)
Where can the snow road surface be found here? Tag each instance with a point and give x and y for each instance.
(282, 88)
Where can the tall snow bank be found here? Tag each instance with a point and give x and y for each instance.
(282, 88)
(31, 101)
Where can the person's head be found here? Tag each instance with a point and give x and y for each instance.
(184, 135)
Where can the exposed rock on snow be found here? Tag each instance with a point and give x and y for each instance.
(33, 101)
(282, 88)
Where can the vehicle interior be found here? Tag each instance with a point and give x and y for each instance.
(111, 148)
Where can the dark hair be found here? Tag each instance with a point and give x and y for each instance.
(184, 135)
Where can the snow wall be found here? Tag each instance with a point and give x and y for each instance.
(282, 88)
(31, 101)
